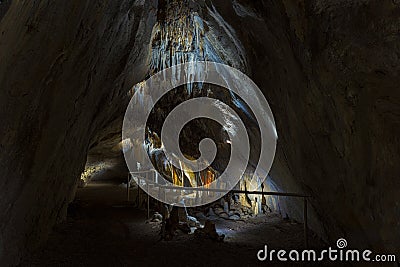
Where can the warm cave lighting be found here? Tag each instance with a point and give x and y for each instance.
(145, 133)
(92, 170)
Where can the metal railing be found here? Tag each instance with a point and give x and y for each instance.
(284, 194)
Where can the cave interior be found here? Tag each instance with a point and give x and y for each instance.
(68, 71)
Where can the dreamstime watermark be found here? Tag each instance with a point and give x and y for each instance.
(330, 254)
(146, 95)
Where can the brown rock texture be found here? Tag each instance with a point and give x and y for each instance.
(65, 70)
(329, 69)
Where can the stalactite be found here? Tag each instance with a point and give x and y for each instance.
(180, 36)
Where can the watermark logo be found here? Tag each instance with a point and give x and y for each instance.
(330, 254)
(152, 90)
(341, 243)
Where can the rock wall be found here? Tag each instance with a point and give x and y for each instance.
(65, 69)
(329, 70)
(4, 5)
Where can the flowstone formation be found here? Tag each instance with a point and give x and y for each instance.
(329, 69)
(185, 32)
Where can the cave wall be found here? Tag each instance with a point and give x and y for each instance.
(329, 70)
(65, 69)
(4, 5)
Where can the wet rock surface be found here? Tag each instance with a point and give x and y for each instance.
(105, 230)
(329, 69)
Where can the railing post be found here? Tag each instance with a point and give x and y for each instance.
(139, 194)
(127, 188)
(148, 196)
(305, 217)
(208, 190)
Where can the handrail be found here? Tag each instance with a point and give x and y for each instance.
(286, 194)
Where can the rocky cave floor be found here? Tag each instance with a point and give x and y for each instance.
(103, 229)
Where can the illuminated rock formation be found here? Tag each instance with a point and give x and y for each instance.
(329, 69)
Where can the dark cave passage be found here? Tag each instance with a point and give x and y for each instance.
(103, 229)
(328, 71)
